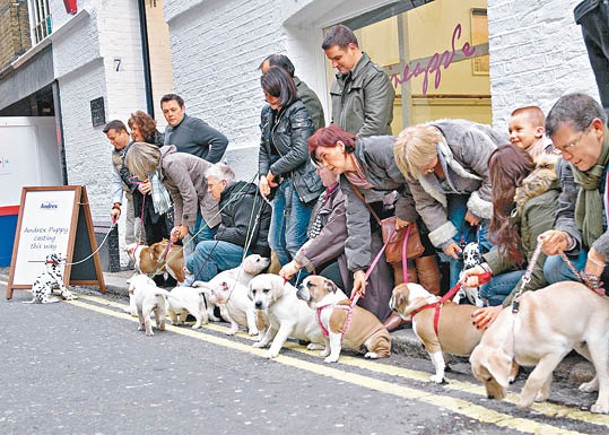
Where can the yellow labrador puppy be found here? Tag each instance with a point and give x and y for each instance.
(549, 324)
(456, 334)
(288, 315)
(363, 332)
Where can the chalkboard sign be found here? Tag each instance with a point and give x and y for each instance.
(98, 112)
(54, 219)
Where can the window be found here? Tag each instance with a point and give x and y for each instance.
(436, 55)
(40, 19)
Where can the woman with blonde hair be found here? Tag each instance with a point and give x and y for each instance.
(180, 174)
(446, 165)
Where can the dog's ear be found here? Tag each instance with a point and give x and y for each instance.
(330, 286)
(499, 365)
(249, 292)
(399, 296)
(415, 304)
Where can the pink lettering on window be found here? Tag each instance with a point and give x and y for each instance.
(434, 65)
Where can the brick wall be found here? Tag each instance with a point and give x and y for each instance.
(537, 55)
(14, 30)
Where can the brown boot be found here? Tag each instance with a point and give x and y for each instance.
(429, 274)
(398, 276)
(393, 322)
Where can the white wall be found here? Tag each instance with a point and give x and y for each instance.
(537, 55)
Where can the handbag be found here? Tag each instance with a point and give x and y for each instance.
(408, 237)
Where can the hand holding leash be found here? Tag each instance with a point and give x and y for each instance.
(399, 224)
(452, 250)
(359, 283)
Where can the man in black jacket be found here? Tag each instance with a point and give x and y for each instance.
(244, 228)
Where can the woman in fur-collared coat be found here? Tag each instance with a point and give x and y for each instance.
(446, 165)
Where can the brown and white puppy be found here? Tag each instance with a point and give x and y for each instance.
(288, 315)
(157, 260)
(148, 298)
(549, 324)
(456, 333)
(364, 330)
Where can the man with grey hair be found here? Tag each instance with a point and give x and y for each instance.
(244, 227)
(577, 125)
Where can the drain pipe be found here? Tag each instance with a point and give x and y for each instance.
(146, 57)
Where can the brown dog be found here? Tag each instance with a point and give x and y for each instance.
(456, 333)
(158, 259)
(332, 305)
(549, 323)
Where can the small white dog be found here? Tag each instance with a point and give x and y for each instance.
(288, 315)
(42, 288)
(235, 305)
(148, 298)
(183, 301)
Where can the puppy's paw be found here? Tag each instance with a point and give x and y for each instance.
(589, 387)
(315, 346)
(149, 333)
(71, 297)
(437, 379)
(524, 403)
(600, 408)
(542, 397)
(253, 332)
(271, 354)
(331, 359)
(371, 355)
(259, 344)
(231, 331)
(324, 353)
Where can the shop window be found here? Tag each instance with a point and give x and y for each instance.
(40, 19)
(437, 58)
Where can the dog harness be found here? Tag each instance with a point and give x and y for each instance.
(348, 308)
(482, 279)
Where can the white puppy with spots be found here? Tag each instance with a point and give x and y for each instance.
(50, 279)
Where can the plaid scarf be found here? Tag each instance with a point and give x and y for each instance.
(160, 197)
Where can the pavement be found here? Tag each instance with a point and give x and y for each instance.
(573, 369)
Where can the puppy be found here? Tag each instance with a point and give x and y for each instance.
(170, 259)
(235, 305)
(332, 305)
(47, 281)
(148, 298)
(549, 324)
(456, 333)
(288, 315)
(150, 259)
(183, 301)
(471, 258)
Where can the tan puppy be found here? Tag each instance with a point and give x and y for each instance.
(456, 333)
(288, 316)
(549, 324)
(332, 305)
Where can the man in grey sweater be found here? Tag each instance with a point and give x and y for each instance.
(191, 135)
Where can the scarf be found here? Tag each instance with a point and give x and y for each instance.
(358, 178)
(160, 197)
(589, 204)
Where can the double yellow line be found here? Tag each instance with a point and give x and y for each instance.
(455, 405)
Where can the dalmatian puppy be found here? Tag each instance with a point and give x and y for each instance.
(42, 289)
(471, 257)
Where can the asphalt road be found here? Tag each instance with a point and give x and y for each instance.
(83, 368)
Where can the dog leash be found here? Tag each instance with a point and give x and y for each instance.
(526, 279)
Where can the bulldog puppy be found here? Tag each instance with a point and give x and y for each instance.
(288, 315)
(235, 305)
(132, 310)
(148, 298)
(456, 333)
(143, 259)
(170, 259)
(183, 301)
(332, 305)
(549, 324)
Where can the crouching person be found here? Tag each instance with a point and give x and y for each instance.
(244, 227)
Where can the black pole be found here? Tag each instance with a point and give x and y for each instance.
(146, 57)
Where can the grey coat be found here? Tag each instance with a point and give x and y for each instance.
(471, 145)
(290, 133)
(184, 177)
(196, 137)
(375, 155)
(311, 102)
(362, 101)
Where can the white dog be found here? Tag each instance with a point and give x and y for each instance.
(183, 301)
(549, 324)
(288, 315)
(42, 289)
(148, 298)
(235, 305)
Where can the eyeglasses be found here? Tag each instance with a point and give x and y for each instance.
(570, 147)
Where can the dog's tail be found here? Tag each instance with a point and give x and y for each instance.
(202, 284)
(163, 292)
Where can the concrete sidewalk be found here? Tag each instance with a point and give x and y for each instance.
(573, 369)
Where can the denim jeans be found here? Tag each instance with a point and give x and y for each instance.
(555, 269)
(497, 289)
(289, 223)
(457, 208)
(211, 257)
(594, 18)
